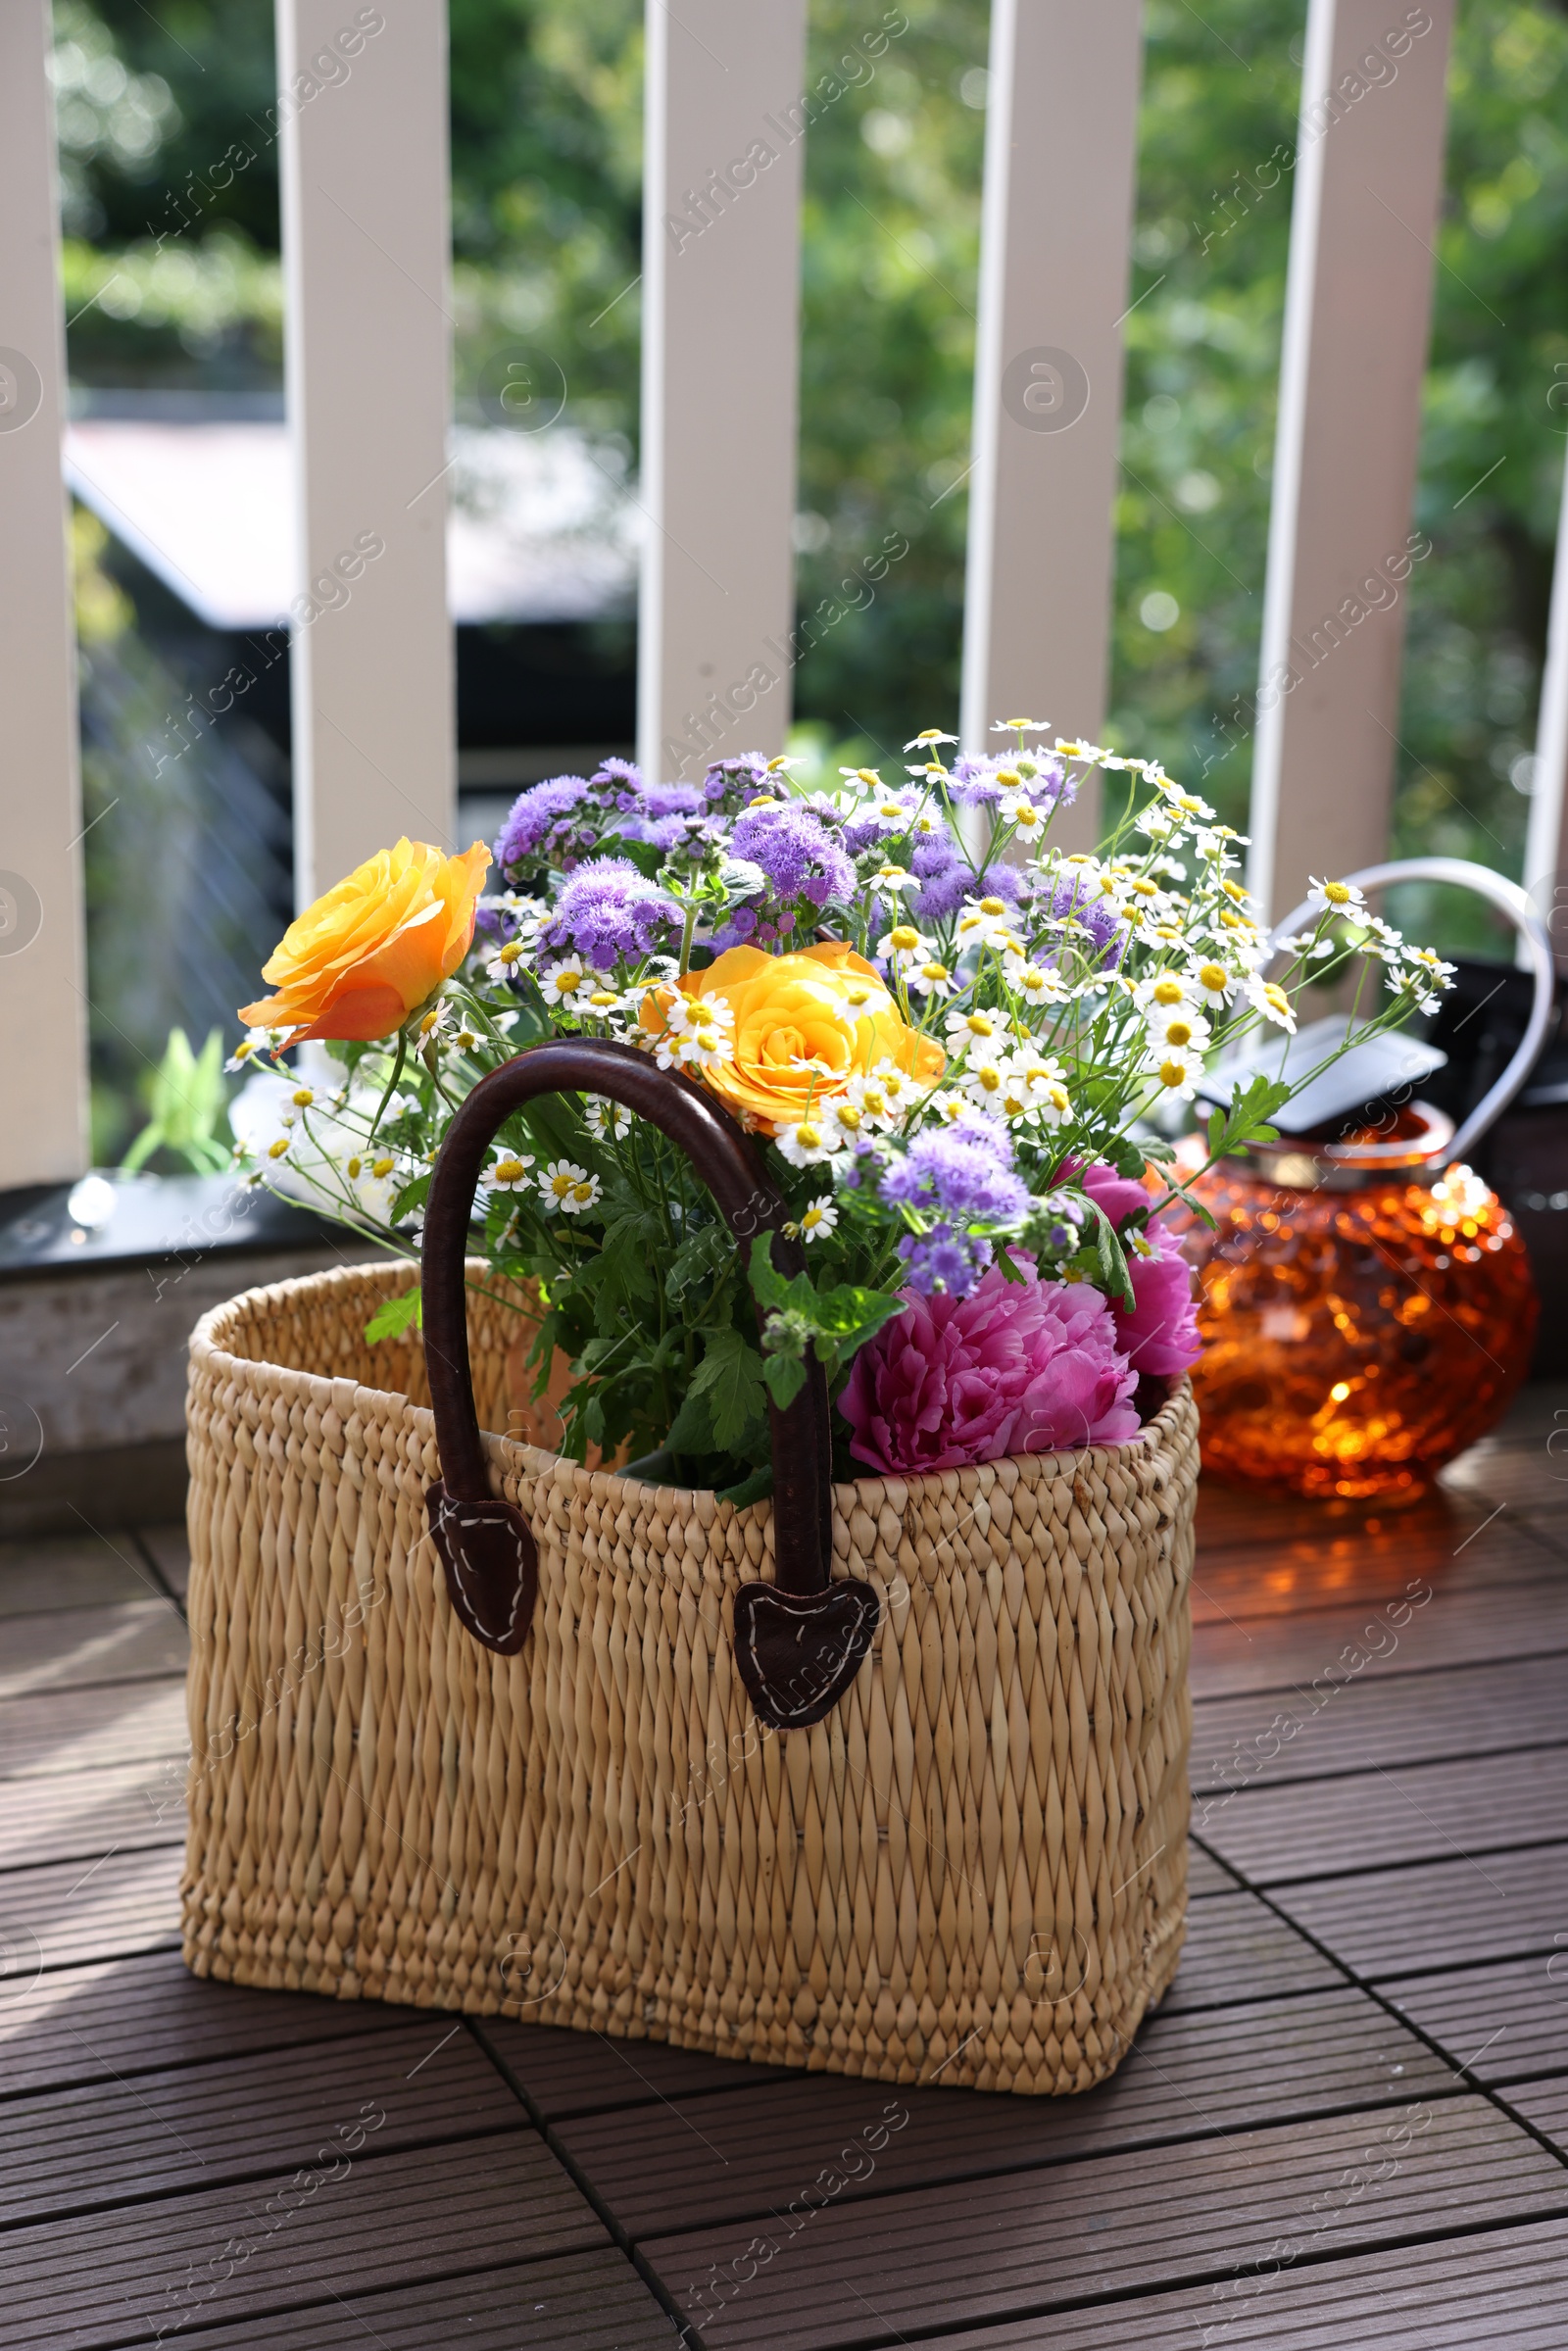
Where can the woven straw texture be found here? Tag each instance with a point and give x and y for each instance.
(973, 1872)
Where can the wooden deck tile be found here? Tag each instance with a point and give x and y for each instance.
(171, 1548)
(1459, 1628)
(583, 2302)
(1238, 1949)
(1422, 1813)
(85, 1571)
(698, 2160)
(592, 2073)
(115, 2277)
(862, 2273)
(130, 2016)
(204, 2124)
(60, 1648)
(73, 1911)
(1441, 1914)
(80, 1729)
(79, 1815)
(1328, 1570)
(1505, 2291)
(1545, 2105)
(1503, 2022)
(1278, 1735)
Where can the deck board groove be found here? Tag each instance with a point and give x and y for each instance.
(1346, 1965)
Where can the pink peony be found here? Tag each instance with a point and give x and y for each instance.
(1160, 1336)
(1030, 1368)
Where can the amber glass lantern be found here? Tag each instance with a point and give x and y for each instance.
(1364, 1319)
(1366, 1303)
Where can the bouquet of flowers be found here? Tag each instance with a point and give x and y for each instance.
(960, 1049)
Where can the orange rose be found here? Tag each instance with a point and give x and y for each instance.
(805, 1025)
(354, 965)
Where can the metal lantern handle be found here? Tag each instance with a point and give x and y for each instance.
(1514, 902)
(799, 1640)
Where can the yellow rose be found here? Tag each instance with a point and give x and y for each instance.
(805, 1025)
(355, 964)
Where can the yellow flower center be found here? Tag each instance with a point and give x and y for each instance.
(1028, 814)
(1211, 976)
(937, 973)
(562, 1185)
(875, 1101)
(1167, 992)
(582, 1193)
(1276, 996)
(980, 1024)
(1171, 1073)
(276, 1150)
(990, 1079)
(508, 1171)
(382, 1167)
(993, 905)
(603, 996)
(866, 775)
(353, 1169)
(904, 938)
(1009, 779)
(510, 952)
(850, 1118)
(857, 997)
(1179, 1032)
(1337, 893)
(808, 1138)
(811, 1218)
(303, 1096)
(568, 982)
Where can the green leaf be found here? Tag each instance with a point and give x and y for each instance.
(1008, 1271)
(692, 1429)
(785, 1376)
(730, 1379)
(755, 1489)
(393, 1316)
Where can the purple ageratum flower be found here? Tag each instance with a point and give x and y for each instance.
(796, 851)
(535, 816)
(945, 879)
(1097, 916)
(658, 801)
(607, 909)
(1052, 785)
(737, 781)
(961, 1170)
(978, 783)
(943, 1260)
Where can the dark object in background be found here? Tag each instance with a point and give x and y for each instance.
(1525, 1156)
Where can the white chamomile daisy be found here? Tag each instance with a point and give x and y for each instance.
(1269, 998)
(1178, 1073)
(984, 922)
(503, 965)
(810, 1140)
(898, 1089)
(605, 1120)
(818, 1220)
(973, 1031)
(931, 978)
(1178, 1026)
(1044, 1084)
(984, 1077)
(255, 1041)
(1018, 809)
(567, 1189)
(510, 1172)
(903, 948)
(1334, 897)
(1162, 992)
(869, 1095)
(565, 982)
(1212, 986)
(890, 880)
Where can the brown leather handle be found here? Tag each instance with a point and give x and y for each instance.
(799, 1640)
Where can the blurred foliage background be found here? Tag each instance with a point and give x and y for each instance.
(174, 281)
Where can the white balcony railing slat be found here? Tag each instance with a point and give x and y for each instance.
(367, 254)
(1368, 186)
(43, 1010)
(725, 125)
(1545, 874)
(1060, 163)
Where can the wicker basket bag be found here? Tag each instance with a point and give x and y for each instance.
(886, 1778)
